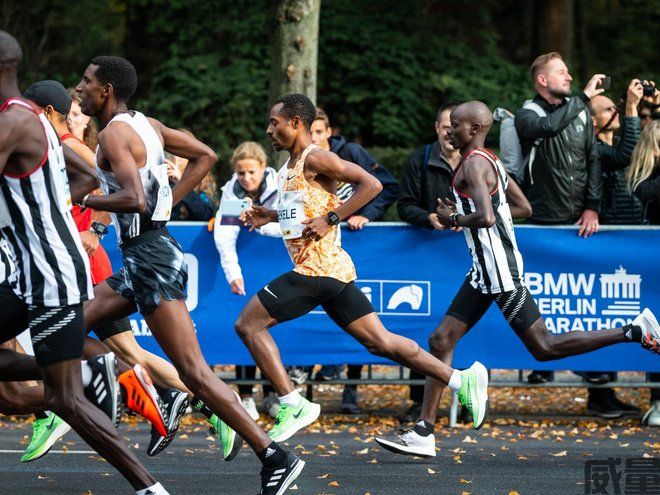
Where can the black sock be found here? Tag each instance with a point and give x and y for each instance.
(40, 415)
(198, 405)
(424, 429)
(272, 456)
(632, 333)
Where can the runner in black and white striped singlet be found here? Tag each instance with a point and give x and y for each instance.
(52, 266)
(497, 265)
(486, 199)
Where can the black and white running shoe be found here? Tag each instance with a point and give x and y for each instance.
(103, 389)
(176, 403)
(275, 481)
(408, 442)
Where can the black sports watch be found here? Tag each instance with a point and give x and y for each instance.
(99, 229)
(333, 218)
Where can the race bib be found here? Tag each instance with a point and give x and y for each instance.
(163, 208)
(60, 181)
(291, 213)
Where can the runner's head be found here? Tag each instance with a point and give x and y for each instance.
(470, 123)
(290, 118)
(53, 98)
(107, 83)
(10, 56)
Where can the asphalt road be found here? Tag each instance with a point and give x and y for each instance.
(341, 459)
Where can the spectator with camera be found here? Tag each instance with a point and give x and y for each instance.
(649, 107)
(644, 182)
(427, 177)
(615, 144)
(562, 179)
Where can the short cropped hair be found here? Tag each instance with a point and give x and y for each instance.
(10, 51)
(540, 62)
(119, 72)
(321, 115)
(298, 105)
(249, 150)
(447, 106)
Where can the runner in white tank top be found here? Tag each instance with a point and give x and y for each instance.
(153, 280)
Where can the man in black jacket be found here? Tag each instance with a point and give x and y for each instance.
(563, 183)
(563, 179)
(427, 176)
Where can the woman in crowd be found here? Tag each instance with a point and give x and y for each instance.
(253, 180)
(201, 202)
(644, 182)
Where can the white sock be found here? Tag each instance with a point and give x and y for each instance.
(86, 373)
(157, 489)
(455, 381)
(292, 399)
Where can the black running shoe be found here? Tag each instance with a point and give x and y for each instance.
(103, 389)
(176, 403)
(275, 481)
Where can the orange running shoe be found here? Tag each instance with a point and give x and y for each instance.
(140, 396)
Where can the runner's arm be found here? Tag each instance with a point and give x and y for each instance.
(518, 203)
(476, 171)
(82, 179)
(200, 157)
(366, 185)
(7, 138)
(114, 147)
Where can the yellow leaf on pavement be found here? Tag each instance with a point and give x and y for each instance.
(563, 453)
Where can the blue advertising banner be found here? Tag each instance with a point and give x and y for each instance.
(411, 276)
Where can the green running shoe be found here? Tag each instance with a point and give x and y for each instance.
(474, 392)
(290, 419)
(230, 441)
(45, 433)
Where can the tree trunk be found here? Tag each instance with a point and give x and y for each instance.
(294, 47)
(554, 27)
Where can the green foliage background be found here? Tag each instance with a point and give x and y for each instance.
(384, 65)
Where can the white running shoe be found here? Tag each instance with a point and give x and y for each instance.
(251, 408)
(408, 442)
(650, 330)
(652, 416)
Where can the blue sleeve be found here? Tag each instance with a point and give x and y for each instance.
(375, 210)
(360, 156)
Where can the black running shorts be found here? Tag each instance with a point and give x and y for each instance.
(517, 306)
(13, 313)
(292, 295)
(57, 332)
(107, 330)
(154, 269)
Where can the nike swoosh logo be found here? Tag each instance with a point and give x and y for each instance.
(52, 422)
(289, 177)
(270, 292)
(297, 415)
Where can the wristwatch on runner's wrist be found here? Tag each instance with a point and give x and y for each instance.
(98, 229)
(333, 218)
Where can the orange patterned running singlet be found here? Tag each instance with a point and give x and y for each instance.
(298, 201)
